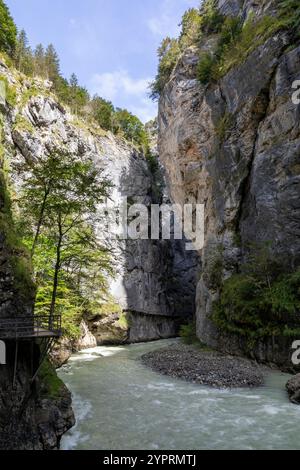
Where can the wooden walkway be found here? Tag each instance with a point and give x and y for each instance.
(30, 327)
(43, 328)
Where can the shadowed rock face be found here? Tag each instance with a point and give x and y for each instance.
(247, 178)
(155, 280)
(152, 277)
(30, 418)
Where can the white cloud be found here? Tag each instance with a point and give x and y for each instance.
(166, 21)
(146, 110)
(125, 91)
(109, 85)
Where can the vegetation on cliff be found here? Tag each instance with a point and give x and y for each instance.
(44, 62)
(55, 214)
(261, 300)
(235, 39)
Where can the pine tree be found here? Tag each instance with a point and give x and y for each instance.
(74, 81)
(52, 64)
(8, 30)
(102, 111)
(39, 61)
(23, 54)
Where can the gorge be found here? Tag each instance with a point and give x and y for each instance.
(228, 138)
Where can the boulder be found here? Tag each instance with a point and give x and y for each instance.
(293, 389)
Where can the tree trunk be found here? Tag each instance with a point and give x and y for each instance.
(55, 278)
(40, 221)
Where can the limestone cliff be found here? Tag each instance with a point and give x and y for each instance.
(154, 281)
(233, 144)
(32, 415)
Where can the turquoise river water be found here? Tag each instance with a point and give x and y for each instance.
(122, 405)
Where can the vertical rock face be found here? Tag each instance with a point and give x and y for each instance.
(30, 417)
(149, 277)
(153, 278)
(246, 173)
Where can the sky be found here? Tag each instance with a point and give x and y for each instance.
(110, 44)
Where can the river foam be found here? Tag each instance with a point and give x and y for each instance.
(120, 404)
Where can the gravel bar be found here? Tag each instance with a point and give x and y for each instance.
(205, 367)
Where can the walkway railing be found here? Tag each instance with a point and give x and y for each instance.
(30, 326)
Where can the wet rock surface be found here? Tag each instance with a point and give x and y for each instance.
(205, 367)
(293, 389)
(247, 176)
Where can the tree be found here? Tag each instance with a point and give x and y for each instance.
(131, 127)
(60, 201)
(39, 61)
(73, 81)
(102, 111)
(168, 54)
(8, 30)
(52, 64)
(77, 96)
(23, 54)
(190, 27)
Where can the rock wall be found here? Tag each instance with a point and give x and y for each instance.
(33, 124)
(152, 277)
(249, 177)
(31, 418)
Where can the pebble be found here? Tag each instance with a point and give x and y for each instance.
(205, 367)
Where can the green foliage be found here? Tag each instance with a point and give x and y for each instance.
(45, 63)
(212, 20)
(103, 112)
(252, 35)
(224, 125)
(8, 30)
(123, 321)
(23, 124)
(20, 261)
(206, 68)
(261, 300)
(23, 54)
(108, 307)
(236, 41)
(153, 162)
(130, 127)
(10, 92)
(168, 54)
(188, 333)
(51, 384)
(58, 205)
(289, 11)
(190, 28)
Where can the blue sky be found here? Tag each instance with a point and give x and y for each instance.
(110, 44)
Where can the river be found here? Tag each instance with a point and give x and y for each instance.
(122, 405)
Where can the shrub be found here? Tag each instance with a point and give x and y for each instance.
(188, 333)
(10, 92)
(50, 382)
(23, 124)
(168, 54)
(206, 68)
(260, 301)
(252, 35)
(190, 28)
(236, 41)
(289, 11)
(224, 125)
(212, 20)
